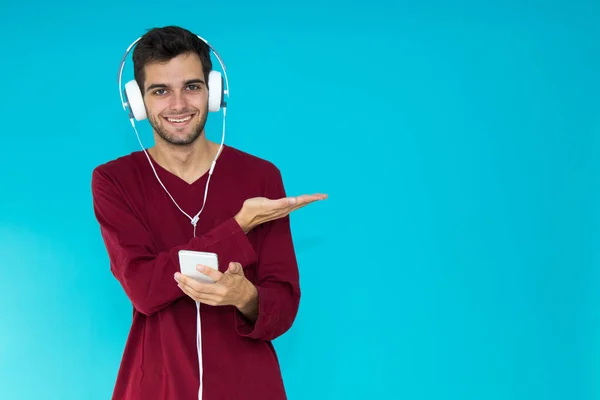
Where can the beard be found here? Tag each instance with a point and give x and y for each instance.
(158, 123)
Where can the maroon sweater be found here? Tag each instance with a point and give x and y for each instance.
(143, 232)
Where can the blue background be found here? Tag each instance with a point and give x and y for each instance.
(456, 256)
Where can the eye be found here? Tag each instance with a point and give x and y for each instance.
(159, 92)
(193, 87)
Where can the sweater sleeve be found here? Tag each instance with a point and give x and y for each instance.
(146, 275)
(277, 279)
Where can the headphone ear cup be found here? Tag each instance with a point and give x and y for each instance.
(135, 100)
(215, 91)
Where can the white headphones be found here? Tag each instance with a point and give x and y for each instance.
(132, 97)
(133, 102)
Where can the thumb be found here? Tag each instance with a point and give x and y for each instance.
(235, 268)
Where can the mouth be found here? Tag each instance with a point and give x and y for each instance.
(179, 120)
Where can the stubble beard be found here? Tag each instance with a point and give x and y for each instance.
(157, 123)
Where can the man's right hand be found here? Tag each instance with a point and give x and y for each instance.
(258, 210)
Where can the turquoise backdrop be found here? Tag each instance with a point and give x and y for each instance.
(456, 257)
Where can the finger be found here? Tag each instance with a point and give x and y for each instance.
(235, 268)
(210, 272)
(294, 201)
(196, 287)
(306, 199)
(205, 298)
(299, 205)
(210, 300)
(310, 198)
(186, 289)
(280, 203)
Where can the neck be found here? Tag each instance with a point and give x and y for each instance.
(187, 162)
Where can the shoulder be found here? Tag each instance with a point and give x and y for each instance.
(257, 166)
(251, 171)
(118, 165)
(116, 170)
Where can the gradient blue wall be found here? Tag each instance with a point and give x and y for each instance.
(456, 257)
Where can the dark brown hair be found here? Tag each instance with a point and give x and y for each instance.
(163, 44)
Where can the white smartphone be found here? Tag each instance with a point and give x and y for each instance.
(188, 260)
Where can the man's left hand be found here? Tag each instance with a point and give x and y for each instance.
(229, 288)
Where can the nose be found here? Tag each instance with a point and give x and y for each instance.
(178, 100)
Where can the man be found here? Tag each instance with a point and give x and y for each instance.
(245, 221)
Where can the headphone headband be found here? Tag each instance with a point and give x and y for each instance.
(124, 103)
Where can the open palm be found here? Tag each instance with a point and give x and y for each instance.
(259, 210)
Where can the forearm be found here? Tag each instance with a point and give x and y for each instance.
(148, 280)
(145, 272)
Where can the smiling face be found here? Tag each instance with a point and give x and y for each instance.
(176, 98)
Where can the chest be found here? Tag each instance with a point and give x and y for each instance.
(168, 211)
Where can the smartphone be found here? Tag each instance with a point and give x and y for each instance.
(188, 260)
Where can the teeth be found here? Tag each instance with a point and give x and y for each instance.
(179, 120)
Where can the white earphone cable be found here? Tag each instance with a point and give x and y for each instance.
(193, 220)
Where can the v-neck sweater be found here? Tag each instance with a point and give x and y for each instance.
(143, 231)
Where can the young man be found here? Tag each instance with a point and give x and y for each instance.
(245, 221)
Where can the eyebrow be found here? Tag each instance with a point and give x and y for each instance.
(163, 85)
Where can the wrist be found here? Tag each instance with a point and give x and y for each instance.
(247, 303)
(242, 222)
